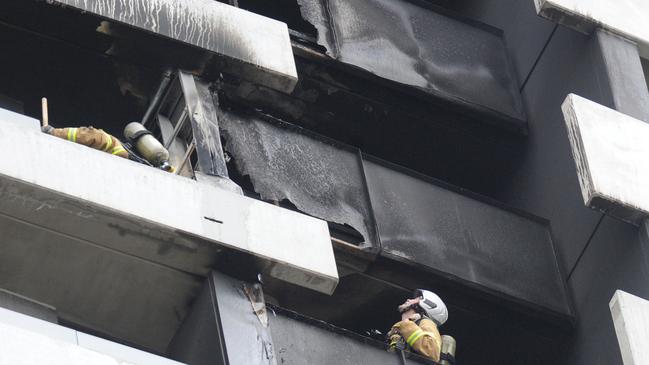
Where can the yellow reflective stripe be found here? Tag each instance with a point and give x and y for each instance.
(117, 150)
(417, 335)
(74, 135)
(109, 144)
(69, 134)
(414, 337)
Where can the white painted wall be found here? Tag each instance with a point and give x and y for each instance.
(631, 319)
(628, 18)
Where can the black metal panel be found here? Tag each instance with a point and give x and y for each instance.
(457, 236)
(525, 32)
(465, 64)
(284, 163)
(300, 340)
(222, 328)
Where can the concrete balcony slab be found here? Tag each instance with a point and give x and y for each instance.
(611, 154)
(102, 238)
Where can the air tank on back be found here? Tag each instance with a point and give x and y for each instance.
(147, 145)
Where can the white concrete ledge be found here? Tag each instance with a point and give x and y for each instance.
(27, 340)
(259, 46)
(631, 319)
(48, 180)
(611, 152)
(627, 18)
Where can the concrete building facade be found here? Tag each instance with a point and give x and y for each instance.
(331, 157)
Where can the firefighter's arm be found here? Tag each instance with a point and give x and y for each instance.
(422, 341)
(91, 137)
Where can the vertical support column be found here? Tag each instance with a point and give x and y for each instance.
(224, 328)
(619, 61)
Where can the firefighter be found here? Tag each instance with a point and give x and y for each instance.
(418, 329)
(91, 137)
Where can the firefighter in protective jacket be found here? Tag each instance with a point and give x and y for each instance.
(91, 137)
(420, 318)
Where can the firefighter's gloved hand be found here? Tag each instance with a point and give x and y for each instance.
(396, 342)
(47, 129)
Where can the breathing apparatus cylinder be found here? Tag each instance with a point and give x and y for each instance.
(448, 350)
(147, 145)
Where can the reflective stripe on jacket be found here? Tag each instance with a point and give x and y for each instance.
(92, 137)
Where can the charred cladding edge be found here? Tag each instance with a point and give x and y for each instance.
(253, 47)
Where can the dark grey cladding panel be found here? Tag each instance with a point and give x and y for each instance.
(301, 341)
(254, 47)
(452, 234)
(462, 63)
(320, 179)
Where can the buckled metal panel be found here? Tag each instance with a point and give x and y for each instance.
(463, 63)
(478, 243)
(319, 178)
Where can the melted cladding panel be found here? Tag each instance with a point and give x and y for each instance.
(259, 47)
(399, 41)
(318, 178)
(478, 243)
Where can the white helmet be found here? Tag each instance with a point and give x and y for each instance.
(433, 306)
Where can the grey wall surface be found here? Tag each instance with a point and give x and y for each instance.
(598, 256)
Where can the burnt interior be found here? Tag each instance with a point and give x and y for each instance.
(83, 85)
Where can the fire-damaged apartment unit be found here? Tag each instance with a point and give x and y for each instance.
(297, 168)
